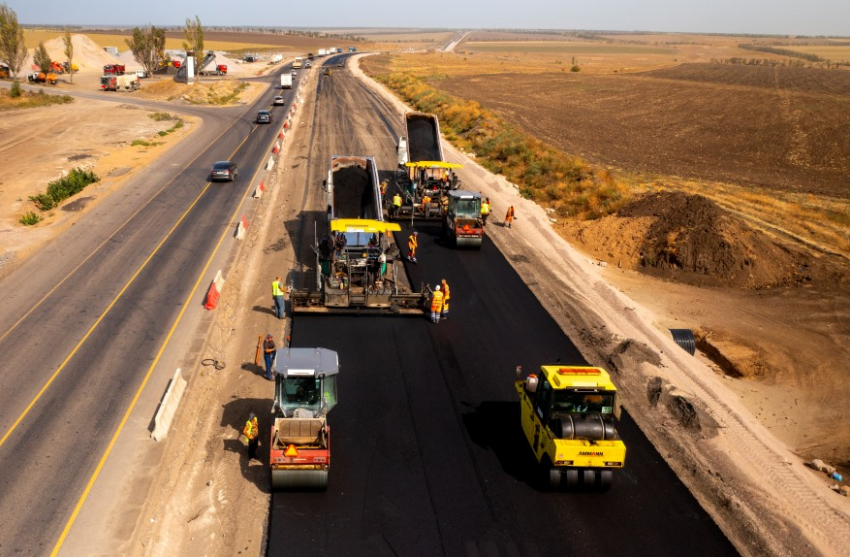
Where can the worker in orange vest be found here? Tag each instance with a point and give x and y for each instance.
(444, 314)
(509, 217)
(412, 244)
(436, 304)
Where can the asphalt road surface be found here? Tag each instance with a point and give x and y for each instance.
(427, 454)
(83, 320)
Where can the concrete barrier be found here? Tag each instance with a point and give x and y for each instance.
(214, 292)
(241, 228)
(270, 164)
(258, 193)
(168, 407)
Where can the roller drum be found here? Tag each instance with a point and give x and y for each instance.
(299, 480)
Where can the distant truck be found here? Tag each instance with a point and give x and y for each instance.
(296, 65)
(114, 69)
(128, 82)
(352, 49)
(322, 52)
(286, 81)
(338, 50)
(42, 77)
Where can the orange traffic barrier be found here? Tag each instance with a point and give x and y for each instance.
(241, 228)
(214, 292)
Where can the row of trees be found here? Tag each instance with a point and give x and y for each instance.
(148, 44)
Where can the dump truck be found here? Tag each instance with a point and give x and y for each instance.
(305, 391)
(358, 267)
(128, 82)
(463, 226)
(210, 67)
(114, 69)
(286, 81)
(423, 178)
(568, 416)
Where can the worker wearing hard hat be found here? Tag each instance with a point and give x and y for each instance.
(436, 304)
(251, 431)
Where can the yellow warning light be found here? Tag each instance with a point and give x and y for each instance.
(291, 451)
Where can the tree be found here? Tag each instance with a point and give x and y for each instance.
(69, 52)
(148, 47)
(41, 58)
(13, 48)
(194, 39)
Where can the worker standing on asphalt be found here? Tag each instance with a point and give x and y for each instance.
(412, 244)
(252, 432)
(436, 304)
(444, 314)
(277, 295)
(485, 210)
(396, 204)
(509, 217)
(269, 351)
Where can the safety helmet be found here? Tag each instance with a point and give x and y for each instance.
(438, 287)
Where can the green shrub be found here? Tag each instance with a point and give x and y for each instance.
(16, 89)
(575, 69)
(160, 116)
(59, 190)
(30, 219)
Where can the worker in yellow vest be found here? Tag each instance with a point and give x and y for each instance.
(277, 296)
(252, 432)
(436, 304)
(444, 288)
(396, 204)
(485, 210)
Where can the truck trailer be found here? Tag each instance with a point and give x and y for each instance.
(286, 81)
(358, 265)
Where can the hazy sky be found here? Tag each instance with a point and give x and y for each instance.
(788, 17)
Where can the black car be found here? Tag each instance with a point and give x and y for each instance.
(264, 117)
(224, 170)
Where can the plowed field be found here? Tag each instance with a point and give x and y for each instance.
(775, 127)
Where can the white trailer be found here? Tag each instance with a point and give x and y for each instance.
(286, 81)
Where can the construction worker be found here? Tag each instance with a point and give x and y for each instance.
(277, 296)
(444, 288)
(412, 244)
(252, 432)
(509, 217)
(426, 205)
(269, 351)
(396, 204)
(383, 191)
(485, 210)
(436, 304)
(445, 177)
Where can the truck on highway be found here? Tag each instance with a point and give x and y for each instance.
(305, 391)
(286, 81)
(129, 82)
(358, 265)
(296, 65)
(322, 52)
(568, 416)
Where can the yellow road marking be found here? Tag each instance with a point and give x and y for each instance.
(115, 435)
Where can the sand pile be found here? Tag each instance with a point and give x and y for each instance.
(127, 59)
(88, 55)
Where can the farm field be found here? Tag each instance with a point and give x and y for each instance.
(772, 127)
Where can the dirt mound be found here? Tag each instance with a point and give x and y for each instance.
(88, 55)
(689, 239)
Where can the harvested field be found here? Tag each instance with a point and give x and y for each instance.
(562, 47)
(774, 127)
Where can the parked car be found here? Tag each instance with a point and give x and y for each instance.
(264, 117)
(278, 100)
(224, 170)
(141, 74)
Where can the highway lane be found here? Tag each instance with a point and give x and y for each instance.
(102, 343)
(428, 457)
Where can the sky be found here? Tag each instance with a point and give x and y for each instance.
(782, 17)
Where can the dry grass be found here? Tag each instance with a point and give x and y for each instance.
(831, 53)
